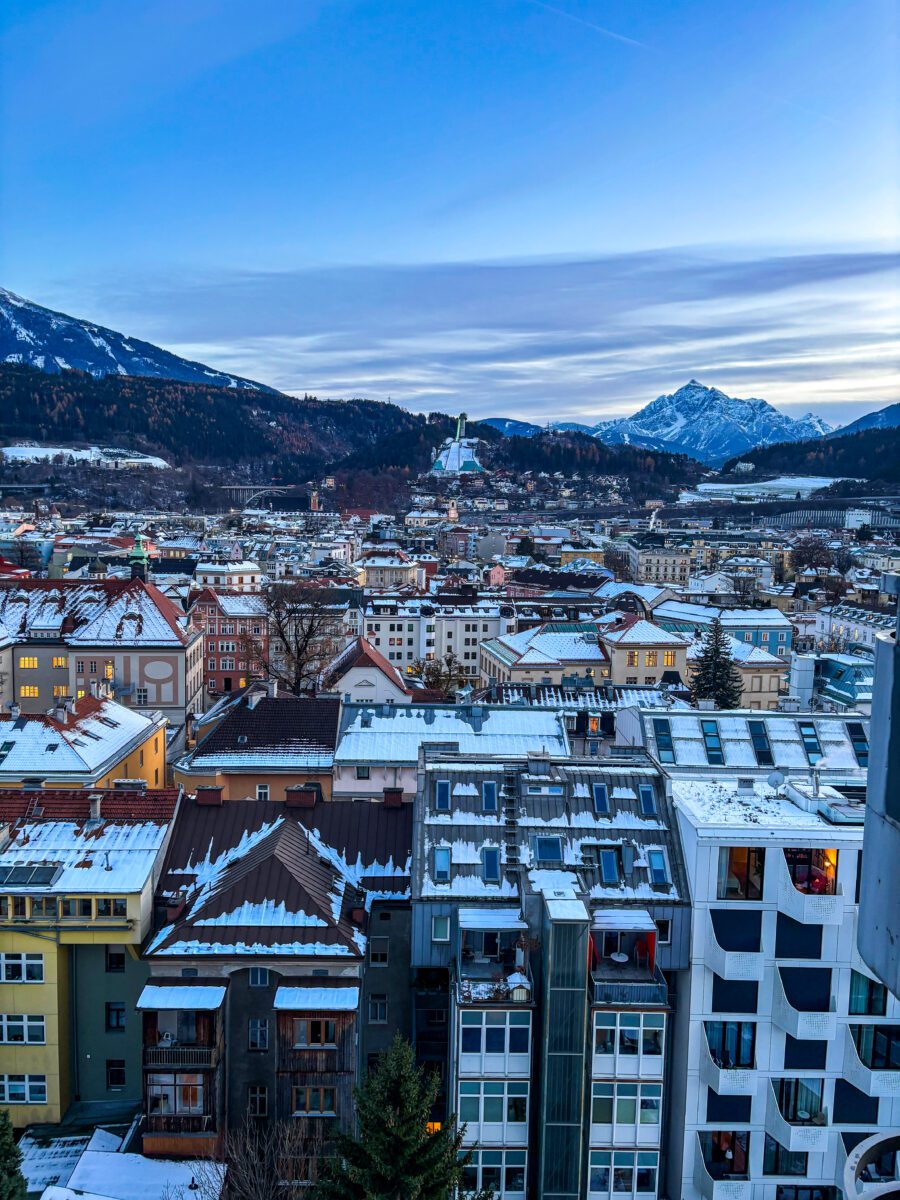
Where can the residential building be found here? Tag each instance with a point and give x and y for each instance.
(362, 675)
(387, 572)
(254, 1005)
(409, 631)
(845, 628)
(378, 747)
(550, 922)
(77, 872)
(765, 627)
(266, 746)
(236, 638)
(545, 655)
(841, 682)
(787, 1047)
(642, 653)
(68, 635)
(88, 743)
(240, 575)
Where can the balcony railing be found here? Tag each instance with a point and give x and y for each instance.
(807, 1026)
(180, 1123)
(872, 1081)
(180, 1056)
(731, 964)
(810, 908)
(614, 987)
(809, 1134)
(490, 983)
(726, 1081)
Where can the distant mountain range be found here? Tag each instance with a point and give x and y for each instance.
(35, 336)
(229, 418)
(700, 421)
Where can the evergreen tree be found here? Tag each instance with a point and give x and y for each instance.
(715, 677)
(393, 1156)
(12, 1181)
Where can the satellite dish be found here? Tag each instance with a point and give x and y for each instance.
(776, 779)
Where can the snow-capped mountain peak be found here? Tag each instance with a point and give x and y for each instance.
(54, 342)
(708, 424)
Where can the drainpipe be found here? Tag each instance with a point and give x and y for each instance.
(73, 1009)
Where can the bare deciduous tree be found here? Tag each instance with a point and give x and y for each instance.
(444, 673)
(617, 561)
(306, 630)
(261, 1160)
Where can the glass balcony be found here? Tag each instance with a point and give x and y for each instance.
(808, 890)
(795, 1117)
(872, 1059)
(728, 1064)
(721, 1166)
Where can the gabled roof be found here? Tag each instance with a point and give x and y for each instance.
(259, 878)
(634, 631)
(361, 653)
(93, 737)
(281, 732)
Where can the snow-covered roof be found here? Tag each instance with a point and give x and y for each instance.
(312, 999)
(203, 997)
(394, 733)
(96, 736)
(681, 612)
(491, 918)
(553, 645)
(642, 633)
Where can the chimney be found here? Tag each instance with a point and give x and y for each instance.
(302, 795)
(272, 688)
(95, 800)
(393, 797)
(94, 688)
(15, 711)
(209, 796)
(60, 713)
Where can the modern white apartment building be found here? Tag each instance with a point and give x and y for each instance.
(407, 630)
(787, 1048)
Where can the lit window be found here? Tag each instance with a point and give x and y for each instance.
(28, 662)
(28, 691)
(668, 658)
(651, 658)
(631, 658)
(60, 660)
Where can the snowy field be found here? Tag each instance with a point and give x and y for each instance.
(107, 456)
(786, 487)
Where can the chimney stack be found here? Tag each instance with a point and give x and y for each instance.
(95, 799)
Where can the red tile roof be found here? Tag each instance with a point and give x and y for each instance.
(74, 804)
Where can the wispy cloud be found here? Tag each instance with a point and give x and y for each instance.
(585, 338)
(601, 29)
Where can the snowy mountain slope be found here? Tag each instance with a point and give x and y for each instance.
(510, 427)
(884, 418)
(708, 425)
(52, 341)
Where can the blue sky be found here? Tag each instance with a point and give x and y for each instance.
(520, 208)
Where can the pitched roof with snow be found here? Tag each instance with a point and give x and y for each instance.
(554, 645)
(269, 733)
(92, 739)
(262, 879)
(360, 653)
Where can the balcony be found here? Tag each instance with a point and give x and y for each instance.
(806, 1132)
(874, 1081)
(805, 1025)
(621, 985)
(872, 1168)
(726, 1187)
(726, 1081)
(800, 897)
(180, 1123)
(181, 1056)
(730, 964)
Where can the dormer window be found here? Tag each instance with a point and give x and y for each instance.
(648, 800)
(609, 867)
(442, 795)
(659, 871)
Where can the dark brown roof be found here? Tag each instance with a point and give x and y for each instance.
(267, 863)
(284, 723)
(74, 804)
